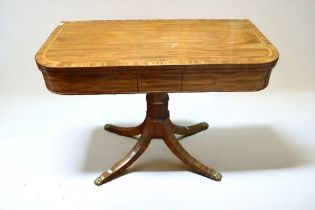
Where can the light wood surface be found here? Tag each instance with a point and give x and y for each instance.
(130, 56)
(155, 42)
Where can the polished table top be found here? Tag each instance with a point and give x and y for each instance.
(130, 56)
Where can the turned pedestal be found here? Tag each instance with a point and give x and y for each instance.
(157, 125)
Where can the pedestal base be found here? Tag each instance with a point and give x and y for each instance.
(157, 124)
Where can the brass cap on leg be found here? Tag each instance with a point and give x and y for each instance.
(99, 180)
(216, 176)
(204, 125)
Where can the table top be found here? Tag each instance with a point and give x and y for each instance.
(155, 43)
(131, 56)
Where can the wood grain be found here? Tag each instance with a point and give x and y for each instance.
(155, 42)
(232, 81)
(163, 55)
(91, 83)
(159, 82)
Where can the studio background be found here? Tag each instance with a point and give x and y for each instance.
(53, 146)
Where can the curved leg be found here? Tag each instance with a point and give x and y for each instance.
(189, 130)
(124, 131)
(131, 157)
(185, 157)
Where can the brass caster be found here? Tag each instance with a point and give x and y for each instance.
(99, 180)
(216, 176)
(107, 127)
(204, 125)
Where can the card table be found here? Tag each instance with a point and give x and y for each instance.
(156, 57)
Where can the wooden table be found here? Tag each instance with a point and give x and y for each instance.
(156, 57)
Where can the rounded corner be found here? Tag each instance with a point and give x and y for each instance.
(51, 90)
